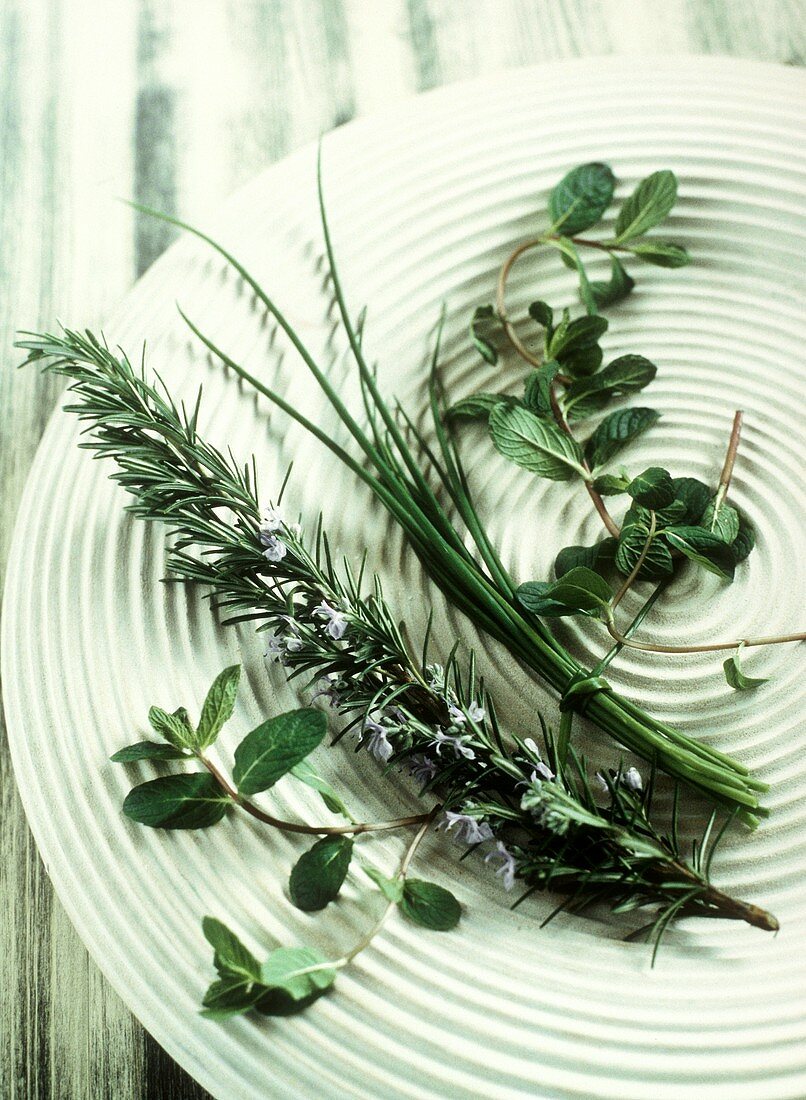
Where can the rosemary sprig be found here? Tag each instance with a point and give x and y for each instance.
(549, 829)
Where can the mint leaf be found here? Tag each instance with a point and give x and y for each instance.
(627, 374)
(175, 728)
(218, 705)
(429, 905)
(391, 888)
(305, 774)
(231, 957)
(149, 750)
(536, 597)
(610, 485)
(573, 336)
(744, 541)
(535, 444)
(596, 557)
(581, 197)
(615, 289)
(661, 253)
(648, 205)
(582, 589)
(723, 521)
(318, 874)
(704, 548)
(616, 431)
(478, 406)
(288, 968)
(543, 314)
(653, 488)
(485, 328)
(737, 678)
(658, 561)
(695, 494)
(579, 591)
(275, 747)
(229, 996)
(192, 800)
(537, 388)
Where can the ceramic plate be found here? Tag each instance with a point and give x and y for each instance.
(425, 202)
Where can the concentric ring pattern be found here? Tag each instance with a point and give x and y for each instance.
(425, 202)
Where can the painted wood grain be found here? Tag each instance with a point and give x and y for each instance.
(175, 103)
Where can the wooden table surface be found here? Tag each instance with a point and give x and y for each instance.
(175, 103)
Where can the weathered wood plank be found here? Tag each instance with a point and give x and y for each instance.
(175, 103)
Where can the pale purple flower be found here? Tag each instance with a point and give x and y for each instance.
(542, 770)
(375, 736)
(275, 649)
(632, 780)
(602, 782)
(469, 830)
(458, 716)
(270, 523)
(422, 768)
(458, 745)
(275, 550)
(508, 864)
(336, 620)
(327, 688)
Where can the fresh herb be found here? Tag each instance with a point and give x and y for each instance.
(533, 810)
(478, 582)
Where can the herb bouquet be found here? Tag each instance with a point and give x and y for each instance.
(527, 799)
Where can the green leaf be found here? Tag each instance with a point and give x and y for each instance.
(648, 205)
(231, 957)
(391, 888)
(149, 750)
(704, 548)
(542, 313)
(275, 747)
(658, 562)
(318, 874)
(536, 597)
(478, 406)
(581, 197)
(737, 678)
(430, 905)
(192, 800)
(627, 374)
(616, 431)
(695, 494)
(218, 705)
(306, 774)
(583, 362)
(175, 728)
(653, 488)
(535, 444)
(579, 591)
(287, 968)
(744, 541)
(229, 996)
(485, 328)
(537, 388)
(596, 557)
(615, 289)
(723, 521)
(572, 336)
(610, 485)
(661, 253)
(582, 589)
